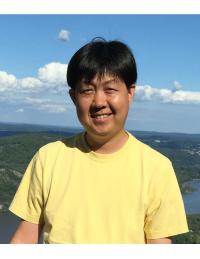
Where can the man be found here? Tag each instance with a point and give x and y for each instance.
(103, 185)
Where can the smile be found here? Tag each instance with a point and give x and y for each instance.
(100, 116)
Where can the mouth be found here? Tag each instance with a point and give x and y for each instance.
(100, 116)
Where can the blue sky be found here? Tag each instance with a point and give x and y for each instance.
(35, 51)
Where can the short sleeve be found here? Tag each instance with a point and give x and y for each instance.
(28, 200)
(165, 214)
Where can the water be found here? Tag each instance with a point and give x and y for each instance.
(192, 200)
(9, 222)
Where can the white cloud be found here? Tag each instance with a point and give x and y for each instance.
(7, 81)
(53, 74)
(148, 93)
(186, 97)
(29, 84)
(51, 77)
(64, 35)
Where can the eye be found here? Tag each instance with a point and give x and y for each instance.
(111, 90)
(86, 91)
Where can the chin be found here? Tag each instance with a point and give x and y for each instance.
(98, 132)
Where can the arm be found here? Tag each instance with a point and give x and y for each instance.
(27, 233)
(164, 240)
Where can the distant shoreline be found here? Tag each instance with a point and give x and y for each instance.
(43, 127)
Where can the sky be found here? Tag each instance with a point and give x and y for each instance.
(35, 51)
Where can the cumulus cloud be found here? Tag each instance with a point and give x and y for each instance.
(64, 35)
(53, 74)
(186, 97)
(7, 81)
(148, 93)
(51, 77)
(29, 84)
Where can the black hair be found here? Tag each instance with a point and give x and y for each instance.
(99, 57)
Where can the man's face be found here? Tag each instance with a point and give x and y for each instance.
(102, 105)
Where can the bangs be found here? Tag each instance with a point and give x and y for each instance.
(100, 58)
(87, 74)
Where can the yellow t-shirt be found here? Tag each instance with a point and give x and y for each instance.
(85, 197)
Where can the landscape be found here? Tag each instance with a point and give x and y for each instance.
(19, 142)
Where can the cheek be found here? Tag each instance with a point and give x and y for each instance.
(82, 107)
(120, 102)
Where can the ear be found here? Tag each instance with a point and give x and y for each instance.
(72, 95)
(131, 92)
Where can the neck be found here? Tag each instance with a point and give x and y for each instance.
(105, 144)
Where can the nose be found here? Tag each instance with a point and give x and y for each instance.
(99, 99)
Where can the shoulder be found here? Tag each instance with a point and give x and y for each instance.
(57, 147)
(149, 157)
(157, 169)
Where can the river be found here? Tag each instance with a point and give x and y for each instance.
(9, 222)
(192, 200)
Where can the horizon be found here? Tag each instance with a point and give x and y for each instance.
(82, 128)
